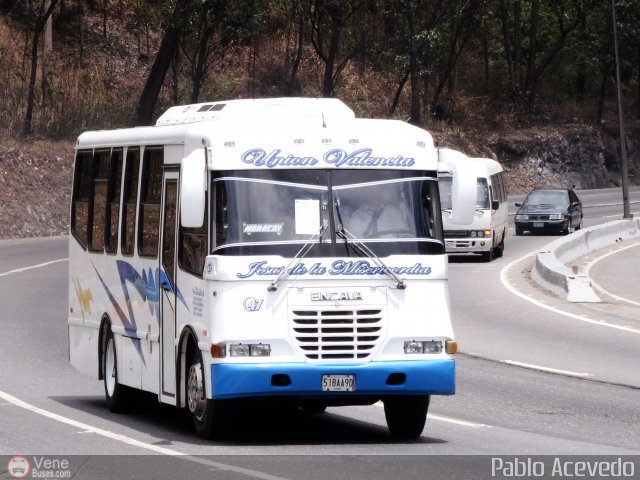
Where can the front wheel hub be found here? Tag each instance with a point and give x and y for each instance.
(195, 390)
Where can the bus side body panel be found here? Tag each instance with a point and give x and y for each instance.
(128, 299)
(84, 317)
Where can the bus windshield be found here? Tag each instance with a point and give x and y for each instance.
(482, 197)
(278, 211)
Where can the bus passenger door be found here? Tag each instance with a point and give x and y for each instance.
(168, 288)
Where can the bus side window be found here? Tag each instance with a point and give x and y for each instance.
(81, 197)
(100, 177)
(113, 201)
(129, 201)
(150, 193)
(192, 247)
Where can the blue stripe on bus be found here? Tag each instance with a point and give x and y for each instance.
(429, 377)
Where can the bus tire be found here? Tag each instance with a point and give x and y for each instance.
(499, 250)
(406, 415)
(117, 396)
(211, 418)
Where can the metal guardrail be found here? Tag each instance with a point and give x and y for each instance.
(553, 267)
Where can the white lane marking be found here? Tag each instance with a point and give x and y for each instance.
(131, 441)
(24, 269)
(600, 288)
(619, 215)
(512, 289)
(454, 421)
(547, 369)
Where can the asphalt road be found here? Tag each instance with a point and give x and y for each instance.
(535, 376)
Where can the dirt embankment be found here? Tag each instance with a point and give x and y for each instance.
(35, 185)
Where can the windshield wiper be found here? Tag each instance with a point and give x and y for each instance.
(363, 249)
(359, 245)
(297, 258)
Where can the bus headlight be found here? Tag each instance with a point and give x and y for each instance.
(239, 350)
(426, 346)
(413, 347)
(249, 350)
(480, 233)
(260, 350)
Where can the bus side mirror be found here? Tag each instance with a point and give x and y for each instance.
(193, 177)
(495, 205)
(464, 185)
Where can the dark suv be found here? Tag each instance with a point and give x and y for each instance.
(549, 209)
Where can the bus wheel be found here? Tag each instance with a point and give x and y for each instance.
(210, 417)
(406, 414)
(117, 395)
(499, 250)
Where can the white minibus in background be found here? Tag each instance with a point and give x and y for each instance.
(242, 252)
(485, 234)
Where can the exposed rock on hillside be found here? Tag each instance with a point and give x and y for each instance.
(580, 156)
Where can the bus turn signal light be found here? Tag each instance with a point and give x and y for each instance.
(218, 350)
(451, 346)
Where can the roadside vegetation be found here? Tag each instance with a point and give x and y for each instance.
(530, 83)
(473, 63)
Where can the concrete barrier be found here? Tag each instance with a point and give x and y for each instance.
(553, 267)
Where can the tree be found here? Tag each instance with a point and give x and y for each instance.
(462, 22)
(40, 21)
(415, 22)
(546, 26)
(330, 21)
(202, 41)
(180, 14)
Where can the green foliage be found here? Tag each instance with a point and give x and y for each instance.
(522, 56)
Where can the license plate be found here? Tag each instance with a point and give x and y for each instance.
(338, 383)
(538, 225)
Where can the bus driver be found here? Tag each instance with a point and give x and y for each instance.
(380, 215)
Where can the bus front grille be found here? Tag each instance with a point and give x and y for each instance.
(457, 234)
(337, 334)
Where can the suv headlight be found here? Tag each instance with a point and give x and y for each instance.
(556, 216)
(522, 218)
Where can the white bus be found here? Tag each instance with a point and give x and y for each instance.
(486, 233)
(222, 257)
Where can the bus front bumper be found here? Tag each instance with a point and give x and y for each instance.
(469, 245)
(428, 377)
